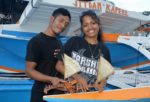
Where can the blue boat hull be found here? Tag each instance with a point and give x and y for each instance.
(13, 50)
(15, 90)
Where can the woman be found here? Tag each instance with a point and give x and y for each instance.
(87, 50)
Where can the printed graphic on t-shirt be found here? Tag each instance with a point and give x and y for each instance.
(88, 65)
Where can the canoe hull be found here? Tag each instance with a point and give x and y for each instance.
(120, 95)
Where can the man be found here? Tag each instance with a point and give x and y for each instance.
(40, 59)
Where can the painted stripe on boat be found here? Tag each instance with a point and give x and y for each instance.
(136, 65)
(6, 69)
(110, 37)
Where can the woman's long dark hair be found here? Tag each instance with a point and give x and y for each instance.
(93, 15)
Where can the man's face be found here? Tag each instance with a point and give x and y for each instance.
(60, 23)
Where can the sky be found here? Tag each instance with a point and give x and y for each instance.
(133, 5)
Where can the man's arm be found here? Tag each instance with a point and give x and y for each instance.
(34, 74)
(60, 67)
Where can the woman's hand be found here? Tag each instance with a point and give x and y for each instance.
(81, 82)
(100, 85)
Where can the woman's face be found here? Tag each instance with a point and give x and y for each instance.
(90, 27)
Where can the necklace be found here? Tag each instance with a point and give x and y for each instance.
(92, 52)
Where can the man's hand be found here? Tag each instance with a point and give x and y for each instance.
(82, 82)
(58, 87)
(55, 81)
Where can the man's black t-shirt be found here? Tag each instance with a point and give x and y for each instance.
(41, 50)
(87, 55)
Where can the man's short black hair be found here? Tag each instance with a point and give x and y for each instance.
(61, 11)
